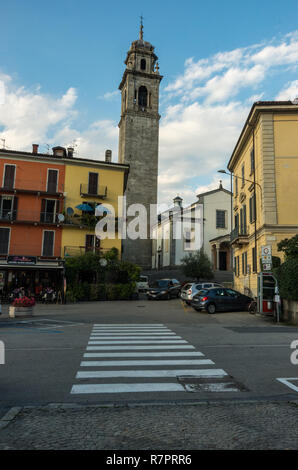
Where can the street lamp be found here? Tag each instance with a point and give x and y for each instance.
(240, 177)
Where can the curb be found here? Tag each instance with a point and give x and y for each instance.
(9, 416)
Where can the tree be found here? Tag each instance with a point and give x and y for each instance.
(289, 246)
(197, 265)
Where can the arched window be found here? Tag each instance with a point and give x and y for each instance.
(143, 64)
(143, 96)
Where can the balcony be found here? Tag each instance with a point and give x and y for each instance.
(70, 251)
(239, 236)
(99, 192)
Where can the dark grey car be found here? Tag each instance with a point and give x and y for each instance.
(164, 289)
(220, 300)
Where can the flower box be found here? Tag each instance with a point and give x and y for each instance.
(20, 311)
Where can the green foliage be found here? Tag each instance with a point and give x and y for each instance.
(197, 265)
(287, 275)
(289, 246)
(88, 280)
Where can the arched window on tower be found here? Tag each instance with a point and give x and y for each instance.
(143, 64)
(142, 96)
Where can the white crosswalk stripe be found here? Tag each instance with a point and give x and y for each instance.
(136, 355)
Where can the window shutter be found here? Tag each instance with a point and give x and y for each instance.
(93, 183)
(43, 210)
(15, 208)
(4, 240)
(52, 181)
(48, 243)
(9, 176)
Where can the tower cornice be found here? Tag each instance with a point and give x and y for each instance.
(139, 74)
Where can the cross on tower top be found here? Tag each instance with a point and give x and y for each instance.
(141, 28)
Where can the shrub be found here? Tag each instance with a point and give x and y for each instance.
(70, 296)
(197, 265)
(287, 275)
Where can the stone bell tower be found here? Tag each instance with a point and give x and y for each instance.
(138, 138)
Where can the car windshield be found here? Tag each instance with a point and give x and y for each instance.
(202, 292)
(143, 279)
(187, 286)
(161, 283)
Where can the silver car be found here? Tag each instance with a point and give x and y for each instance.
(192, 288)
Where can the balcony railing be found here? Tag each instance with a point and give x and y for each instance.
(88, 191)
(239, 235)
(81, 250)
(32, 186)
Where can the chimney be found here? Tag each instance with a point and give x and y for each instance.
(108, 156)
(59, 152)
(35, 149)
(70, 151)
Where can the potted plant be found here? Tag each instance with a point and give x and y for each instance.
(22, 306)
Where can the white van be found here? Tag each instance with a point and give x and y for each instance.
(143, 284)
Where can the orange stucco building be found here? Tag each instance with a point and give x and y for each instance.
(31, 197)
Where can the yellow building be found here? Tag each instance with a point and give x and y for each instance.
(264, 165)
(90, 182)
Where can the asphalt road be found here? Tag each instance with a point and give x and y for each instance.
(43, 355)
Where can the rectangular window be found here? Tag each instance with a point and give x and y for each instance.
(52, 181)
(238, 266)
(9, 176)
(4, 240)
(236, 185)
(243, 175)
(252, 209)
(93, 183)
(91, 242)
(48, 210)
(254, 260)
(252, 161)
(244, 263)
(48, 243)
(243, 230)
(220, 219)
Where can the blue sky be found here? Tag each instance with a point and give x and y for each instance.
(61, 63)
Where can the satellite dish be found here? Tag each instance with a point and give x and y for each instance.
(61, 217)
(69, 211)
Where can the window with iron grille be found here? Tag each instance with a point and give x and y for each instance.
(220, 219)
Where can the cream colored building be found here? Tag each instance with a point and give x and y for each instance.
(264, 164)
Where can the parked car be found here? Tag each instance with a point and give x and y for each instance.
(143, 284)
(220, 300)
(164, 289)
(192, 288)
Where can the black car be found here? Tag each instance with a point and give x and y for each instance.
(164, 289)
(220, 300)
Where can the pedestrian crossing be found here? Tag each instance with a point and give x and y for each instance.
(145, 358)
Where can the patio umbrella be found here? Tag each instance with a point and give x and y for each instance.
(100, 209)
(84, 207)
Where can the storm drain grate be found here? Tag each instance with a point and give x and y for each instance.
(222, 384)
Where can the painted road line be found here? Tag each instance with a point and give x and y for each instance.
(178, 341)
(128, 324)
(166, 333)
(288, 383)
(135, 328)
(146, 363)
(134, 337)
(144, 354)
(128, 347)
(130, 332)
(127, 388)
(203, 373)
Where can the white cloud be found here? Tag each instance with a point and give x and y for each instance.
(110, 95)
(290, 92)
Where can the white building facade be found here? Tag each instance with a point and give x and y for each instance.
(204, 224)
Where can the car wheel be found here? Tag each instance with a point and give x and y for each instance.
(211, 308)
